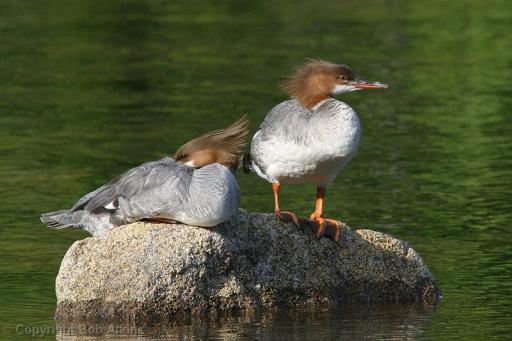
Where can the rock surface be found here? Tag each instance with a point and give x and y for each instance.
(145, 270)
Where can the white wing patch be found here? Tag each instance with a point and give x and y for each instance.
(111, 205)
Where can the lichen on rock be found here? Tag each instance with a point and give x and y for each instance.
(144, 270)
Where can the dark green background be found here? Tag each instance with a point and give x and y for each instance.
(91, 88)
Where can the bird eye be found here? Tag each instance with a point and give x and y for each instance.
(343, 77)
(182, 157)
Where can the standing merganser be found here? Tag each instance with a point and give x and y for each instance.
(311, 137)
(198, 187)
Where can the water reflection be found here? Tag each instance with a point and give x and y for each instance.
(91, 88)
(389, 322)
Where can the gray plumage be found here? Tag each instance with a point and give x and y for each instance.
(296, 144)
(162, 189)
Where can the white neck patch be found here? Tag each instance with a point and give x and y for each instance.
(190, 163)
(341, 89)
(319, 104)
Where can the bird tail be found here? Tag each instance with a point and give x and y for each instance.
(95, 223)
(246, 162)
(58, 219)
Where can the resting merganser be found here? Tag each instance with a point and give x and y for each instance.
(311, 137)
(198, 187)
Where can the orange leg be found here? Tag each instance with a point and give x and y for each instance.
(323, 226)
(283, 215)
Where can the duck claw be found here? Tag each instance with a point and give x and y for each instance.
(325, 227)
(288, 216)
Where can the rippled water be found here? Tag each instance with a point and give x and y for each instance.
(91, 88)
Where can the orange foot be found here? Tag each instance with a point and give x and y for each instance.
(288, 216)
(325, 227)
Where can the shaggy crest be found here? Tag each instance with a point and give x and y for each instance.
(314, 81)
(225, 145)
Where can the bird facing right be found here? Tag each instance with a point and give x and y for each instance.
(311, 137)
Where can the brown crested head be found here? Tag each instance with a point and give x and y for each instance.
(318, 80)
(222, 146)
(315, 81)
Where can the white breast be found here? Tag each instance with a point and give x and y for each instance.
(325, 143)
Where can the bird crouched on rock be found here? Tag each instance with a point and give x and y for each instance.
(197, 187)
(311, 137)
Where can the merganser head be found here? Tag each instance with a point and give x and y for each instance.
(222, 146)
(318, 80)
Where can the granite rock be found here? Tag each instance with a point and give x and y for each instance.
(146, 270)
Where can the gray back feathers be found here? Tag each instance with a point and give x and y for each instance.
(146, 177)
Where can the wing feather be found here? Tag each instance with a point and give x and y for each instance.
(144, 178)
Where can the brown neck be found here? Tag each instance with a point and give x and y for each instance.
(311, 100)
(309, 89)
(229, 160)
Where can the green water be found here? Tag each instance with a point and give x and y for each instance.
(91, 88)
